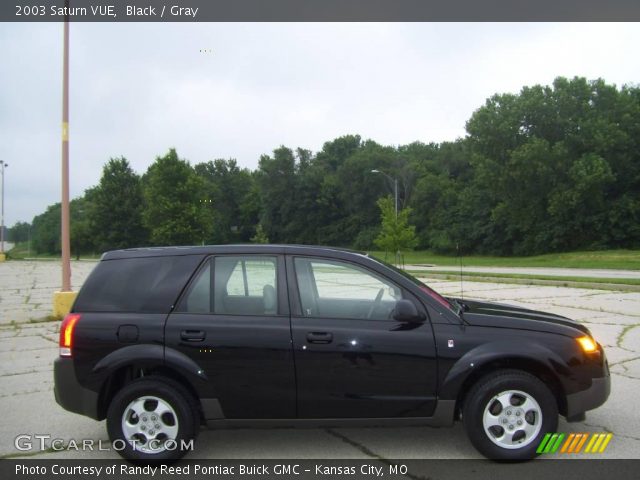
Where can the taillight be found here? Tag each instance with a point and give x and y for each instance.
(66, 333)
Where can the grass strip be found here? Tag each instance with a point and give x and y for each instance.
(594, 284)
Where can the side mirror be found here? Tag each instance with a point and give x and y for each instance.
(406, 311)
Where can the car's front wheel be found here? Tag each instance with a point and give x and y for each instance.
(152, 419)
(507, 413)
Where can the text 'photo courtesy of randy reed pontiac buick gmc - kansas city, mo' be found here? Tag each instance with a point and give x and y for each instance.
(161, 341)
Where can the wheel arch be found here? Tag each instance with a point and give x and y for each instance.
(533, 367)
(130, 363)
(476, 364)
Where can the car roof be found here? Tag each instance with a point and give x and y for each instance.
(249, 248)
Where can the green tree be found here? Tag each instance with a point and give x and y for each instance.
(19, 232)
(556, 166)
(226, 187)
(357, 189)
(81, 211)
(550, 168)
(260, 236)
(173, 212)
(116, 216)
(45, 231)
(277, 181)
(396, 234)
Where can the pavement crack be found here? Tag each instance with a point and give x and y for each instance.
(624, 331)
(27, 392)
(593, 309)
(625, 376)
(24, 372)
(628, 437)
(31, 454)
(49, 339)
(355, 444)
(622, 362)
(608, 430)
(600, 427)
(370, 453)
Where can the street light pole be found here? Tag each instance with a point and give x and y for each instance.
(395, 187)
(3, 165)
(395, 193)
(395, 183)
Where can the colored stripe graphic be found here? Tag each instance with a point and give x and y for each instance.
(576, 439)
(551, 442)
(543, 443)
(599, 442)
(567, 443)
(606, 442)
(555, 447)
(579, 446)
(591, 442)
(574, 442)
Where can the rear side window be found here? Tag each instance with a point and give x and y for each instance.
(240, 285)
(249, 276)
(136, 285)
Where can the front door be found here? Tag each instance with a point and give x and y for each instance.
(233, 321)
(352, 358)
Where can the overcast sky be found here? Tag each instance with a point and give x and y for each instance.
(139, 89)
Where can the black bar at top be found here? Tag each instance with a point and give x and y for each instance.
(324, 10)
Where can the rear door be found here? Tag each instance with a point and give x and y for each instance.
(352, 358)
(233, 321)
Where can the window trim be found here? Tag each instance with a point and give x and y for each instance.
(296, 308)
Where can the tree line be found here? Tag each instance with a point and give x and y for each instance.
(551, 168)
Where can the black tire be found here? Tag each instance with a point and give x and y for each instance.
(184, 406)
(484, 395)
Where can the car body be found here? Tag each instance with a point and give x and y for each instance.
(261, 335)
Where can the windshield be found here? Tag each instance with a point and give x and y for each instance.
(426, 289)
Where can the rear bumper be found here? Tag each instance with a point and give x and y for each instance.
(592, 397)
(68, 392)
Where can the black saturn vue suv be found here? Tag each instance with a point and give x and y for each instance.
(163, 340)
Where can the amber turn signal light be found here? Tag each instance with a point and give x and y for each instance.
(588, 344)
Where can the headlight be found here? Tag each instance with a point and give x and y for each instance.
(587, 344)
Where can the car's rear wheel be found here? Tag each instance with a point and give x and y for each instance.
(152, 419)
(507, 413)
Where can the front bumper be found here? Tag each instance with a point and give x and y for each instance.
(69, 394)
(592, 397)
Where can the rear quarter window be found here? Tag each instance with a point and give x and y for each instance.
(136, 285)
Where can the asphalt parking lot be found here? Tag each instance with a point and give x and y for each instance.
(28, 346)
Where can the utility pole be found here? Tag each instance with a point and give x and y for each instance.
(65, 241)
(63, 300)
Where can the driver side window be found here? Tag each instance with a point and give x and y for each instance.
(336, 289)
